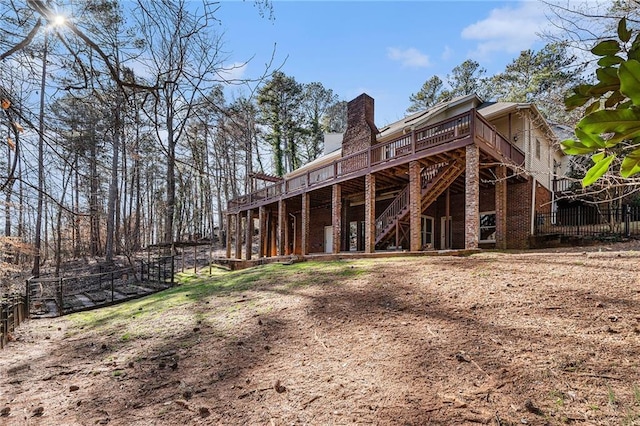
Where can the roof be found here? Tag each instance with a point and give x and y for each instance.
(488, 110)
(422, 117)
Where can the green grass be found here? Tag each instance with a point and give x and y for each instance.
(134, 319)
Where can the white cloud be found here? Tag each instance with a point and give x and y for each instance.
(510, 29)
(232, 73)
(410, 57)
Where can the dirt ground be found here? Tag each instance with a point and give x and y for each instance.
(541, 337)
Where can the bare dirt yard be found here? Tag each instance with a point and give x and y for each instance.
(541, 337)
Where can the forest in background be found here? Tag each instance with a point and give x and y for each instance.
(119, 133)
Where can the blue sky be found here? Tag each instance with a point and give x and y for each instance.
(386, 49)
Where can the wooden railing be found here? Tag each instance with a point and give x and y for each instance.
(390, 215)
(487, 133)
(461, 126)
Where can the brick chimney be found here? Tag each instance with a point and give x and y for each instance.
(361, 130)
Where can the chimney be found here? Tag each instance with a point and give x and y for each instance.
(361, 130)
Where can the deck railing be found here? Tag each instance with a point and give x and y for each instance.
(593, 221)
(419, 140)
(391, 213)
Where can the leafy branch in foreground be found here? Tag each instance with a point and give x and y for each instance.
(610, 129)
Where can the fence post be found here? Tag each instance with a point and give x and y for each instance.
(60, 299)
(3, 325)
(173, 267)
(28, 299)
(626, 212)
(195, 258)
(578, 220)
(111, 286)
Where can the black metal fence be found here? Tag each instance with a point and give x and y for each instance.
(54, 296)
(13, 311)
(591, 221)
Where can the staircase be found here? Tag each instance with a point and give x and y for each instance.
(434, 181)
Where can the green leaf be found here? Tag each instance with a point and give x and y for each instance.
(589, 140)
(608, 61)
(623, 33)
(593, 107)
(614, 98)
(630, 80)
(606, 48)
(597, 157)
(631, 164)
(573, 147)
(598, 169)
(583, 89)
(608, 75)
(576, 100)
(603, 88)
(625, 123)
(634, 51)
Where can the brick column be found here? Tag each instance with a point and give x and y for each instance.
(501, 207)
(472, 197)
(336, 217)
(304, 238)
(282, 227)
(415, 206)
(239, 236)
(249, 235)
(262, 232)
(369, 213)
(227, 234)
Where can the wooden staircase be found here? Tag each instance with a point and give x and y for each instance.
(434, 181)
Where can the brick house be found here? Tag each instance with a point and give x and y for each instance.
(462, 175)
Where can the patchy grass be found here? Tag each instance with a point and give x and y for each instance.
(494, 337)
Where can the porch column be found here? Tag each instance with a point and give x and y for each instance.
(282, 228)
(272, 248)
(472, 197)
(501, 207)
(447, 222)
(262, 232)
(336, 217)
(415, 206)
(238, 235)
(369, 213)
(304, 238)
(346, 227)
(249, 235)
(227, 234)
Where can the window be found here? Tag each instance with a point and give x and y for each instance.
(488, 227)
(537, 148)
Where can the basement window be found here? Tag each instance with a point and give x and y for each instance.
(488, 227)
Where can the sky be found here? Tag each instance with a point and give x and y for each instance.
(386, 49)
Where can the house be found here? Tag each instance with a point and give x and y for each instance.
(462, 175)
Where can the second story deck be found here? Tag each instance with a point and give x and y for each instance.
(450, 134)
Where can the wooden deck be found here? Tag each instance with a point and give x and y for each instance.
(448, 135)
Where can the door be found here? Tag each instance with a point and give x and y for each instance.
(328, 239)
(445, 240)
(426, 232)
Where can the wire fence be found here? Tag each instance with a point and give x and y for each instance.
(54, 296)
(591, 221)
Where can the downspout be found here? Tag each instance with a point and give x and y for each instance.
(533, 205)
